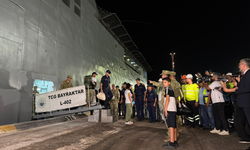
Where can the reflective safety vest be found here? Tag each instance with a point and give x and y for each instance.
(230, 85)
(205, 97)
(192, 92)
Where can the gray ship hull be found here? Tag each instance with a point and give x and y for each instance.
(47, 40)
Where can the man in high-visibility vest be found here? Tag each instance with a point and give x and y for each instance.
(205, 107)
(191, 100)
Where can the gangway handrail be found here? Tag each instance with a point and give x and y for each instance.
(60, 113)
(70, 111)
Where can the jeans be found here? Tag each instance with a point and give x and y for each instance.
(207, 116)
(200, 115)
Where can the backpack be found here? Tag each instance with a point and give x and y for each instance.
(88, 81)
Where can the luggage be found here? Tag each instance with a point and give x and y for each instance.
(101, 96)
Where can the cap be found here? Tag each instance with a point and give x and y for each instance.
(35, 87)
(164, 72)
(94, 73)
(131, 83)
(124, 83)
(150, 85)
(160, 80)
(189, 76)
(117, 86)
(229, 74)
(183, 77)
(128, 84)
(113, 85)
(69, 76)
(172, 73)
(108, 71)
(138, 79)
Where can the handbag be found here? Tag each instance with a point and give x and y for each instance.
(101, 96)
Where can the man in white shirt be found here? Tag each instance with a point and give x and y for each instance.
(94, 81)
(218, 106)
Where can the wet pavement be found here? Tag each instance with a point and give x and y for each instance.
(80, 134)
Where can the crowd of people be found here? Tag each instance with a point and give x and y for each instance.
(214, 104)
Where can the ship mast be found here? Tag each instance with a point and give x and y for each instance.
(172, 56)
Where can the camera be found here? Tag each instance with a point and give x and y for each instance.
(200, 79)
(220, 78)
(206, 79)
(198, 75)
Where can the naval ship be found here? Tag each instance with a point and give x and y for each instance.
(43, 41)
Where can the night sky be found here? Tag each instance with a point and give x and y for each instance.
(204, 34)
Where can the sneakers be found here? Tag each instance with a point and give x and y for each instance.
(223, 132)
(176, 144)
(215, 131)
(128, 122)
(244, 141)
(168, 146)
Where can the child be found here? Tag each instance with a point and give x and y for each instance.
(170, 114)
(129, 104)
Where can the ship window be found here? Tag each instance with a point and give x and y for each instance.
(44, 86)
(77, 11)
(66, 2)
(78, 2)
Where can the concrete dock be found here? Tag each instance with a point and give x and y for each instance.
(80, 134)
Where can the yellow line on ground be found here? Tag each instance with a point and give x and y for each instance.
(7, 128)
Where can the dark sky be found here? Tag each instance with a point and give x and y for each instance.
(204, 34)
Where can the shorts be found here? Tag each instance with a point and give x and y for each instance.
(171, 119)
